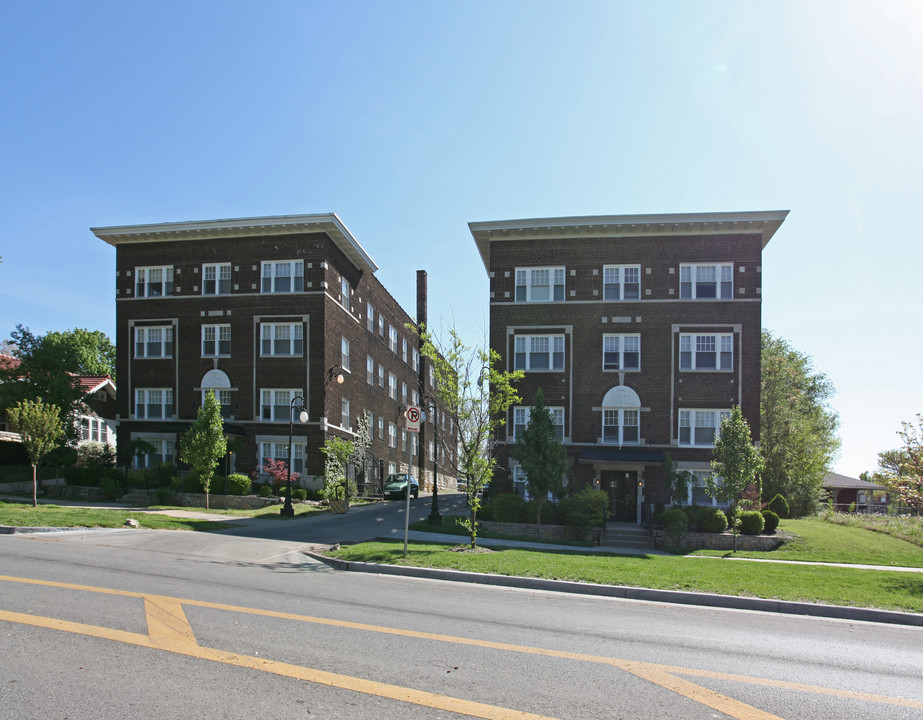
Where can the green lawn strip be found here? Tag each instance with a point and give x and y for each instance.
(884, 589)
(22, 515)
(451, 525)
(821, 541)
(270, 511)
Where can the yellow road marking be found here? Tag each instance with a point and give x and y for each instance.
(170, 630)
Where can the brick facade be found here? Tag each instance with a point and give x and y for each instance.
(645, 397)
(241, 319)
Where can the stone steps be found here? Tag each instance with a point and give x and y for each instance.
(627, 535)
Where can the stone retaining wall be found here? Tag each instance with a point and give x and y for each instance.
(717, 541)
(546, 532)
(225, 502)
(73, 492)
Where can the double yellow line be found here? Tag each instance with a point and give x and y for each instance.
(169, 630)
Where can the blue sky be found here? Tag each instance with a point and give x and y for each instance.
(410, 119)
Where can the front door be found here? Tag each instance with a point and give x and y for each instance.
(622, 488)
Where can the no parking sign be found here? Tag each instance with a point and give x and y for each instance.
(412, 414)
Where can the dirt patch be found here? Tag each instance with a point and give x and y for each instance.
(469, 549)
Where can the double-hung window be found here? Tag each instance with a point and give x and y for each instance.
(154, 281)
(344, 293)
(216, 279)
(392, 386)
(369, 317)
(282, 339)
(392, 435)
(521, 420)
(621, 426)
(621, 352)
(282, 276)
(344, 413)
(700, 427)
(164, 452)
(344, 354)
(706, 281)
(154, 403)
(369, 370)
(621, 282)
(279, 451)
(216, 340)
(223, 397)
(539, 352)
(276, 404)
(154, 342)
(542, 284)
(706, 352)
(392, 339)
(698, 489)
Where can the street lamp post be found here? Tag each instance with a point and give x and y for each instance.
(287, 510)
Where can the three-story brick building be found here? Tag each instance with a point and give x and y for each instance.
(642, 331)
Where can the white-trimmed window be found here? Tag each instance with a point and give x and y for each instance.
(392, 338)
(216, 340)
(621, 352)
(154, 403)
(369, 317)
(706, 352)
(404, 349)
(370, 370)
(216, 279)
(276, 404)
(344, 353)
(621, 282)
(539, 352)
(392, 386)
(541, 284)
(381, 428)
(223, 397)
(154, 341)
(93, 429)
(344, 293)
(164, 452)
(403, 441)
(154, 281)
(281, 339)
(279, 451)
(404, 393)
(520, 483)
(700, 427)
(392, 435)
(381, 325)
(698, 489)
(621, 426)
(381, 376)
(344, 414)
(415, 397)
(416, 361)
(282, 276)
(713, 281)
(521, 420)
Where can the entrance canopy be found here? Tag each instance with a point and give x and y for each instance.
(616, 454)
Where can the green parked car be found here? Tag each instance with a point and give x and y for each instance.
(396, 486)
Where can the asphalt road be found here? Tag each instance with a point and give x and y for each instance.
(133, 624)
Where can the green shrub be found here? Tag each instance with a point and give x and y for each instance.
(712, 520)
(96, 453)
(311, 494)
(265, 491)
(675, 523)
(238, 484)
(299, 494)
(191, 484)
(509, 508)
(584, 510)
(751, 522)
(551, 514)
(164, 496)
(110, 487)
(73, 475)
(779, 506)
(770, 521)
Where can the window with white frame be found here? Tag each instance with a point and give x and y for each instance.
(706, 352)
(223, 397)
(164, 452)
(392, 386)
(216, 340)
(276, 404)
(403, 441)
(621, 282)
(369, 370)
(369, 317)
(415, 397)
(392, 468)
(345, 421)
(621, 352)
(93, 429)
(404, 349)
(381, 325)
(381, 376)
(282, 276)
(621, 426)
(216, 279)
(542, 284)
(154, 281)
(698, 489)
(282, 339)
(404, 393)
(154, 403)
(392, 339)
(278, 451)
(539, 352)
(521, 416)
(344, 293)
(154, 341)
(416, 361)
(392, 435)
(344, 353)
(713, 281)
(381, 428)
(700, 427)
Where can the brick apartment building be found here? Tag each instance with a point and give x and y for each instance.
(642, 331)
(263, 311)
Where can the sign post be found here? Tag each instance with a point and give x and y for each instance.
(412, 418)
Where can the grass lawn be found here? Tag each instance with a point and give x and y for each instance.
(837, 586)
(822, 541)
(22, 515)
(270, 511)
(451, 525)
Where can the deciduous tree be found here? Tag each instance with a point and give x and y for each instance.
(737, 462)
(902, 469)
(40, 427)
(204, 444)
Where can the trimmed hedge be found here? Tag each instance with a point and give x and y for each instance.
(238, 484)
(779, 505)
(770, 521)
(751, 522)
(508, 508)
(712, 520)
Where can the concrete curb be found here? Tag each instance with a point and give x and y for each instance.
(15, 530)
(679, 597)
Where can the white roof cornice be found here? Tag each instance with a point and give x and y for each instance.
(764, 224)
(328, 223)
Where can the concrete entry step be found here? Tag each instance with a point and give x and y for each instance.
(627, 535)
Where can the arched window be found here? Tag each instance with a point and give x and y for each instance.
(621, 422)
(218, 382)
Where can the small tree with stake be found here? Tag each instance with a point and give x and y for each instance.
(204, 444)
(40, 427)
